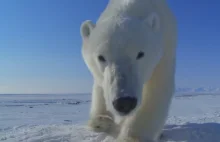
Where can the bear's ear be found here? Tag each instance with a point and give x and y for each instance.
(86, 28)
(153, 21)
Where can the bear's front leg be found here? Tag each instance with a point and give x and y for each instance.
(100, 119)
(146, 124)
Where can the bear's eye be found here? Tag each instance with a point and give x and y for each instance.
(140, 55)
(101, 58)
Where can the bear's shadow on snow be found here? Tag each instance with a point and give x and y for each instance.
(192, 132)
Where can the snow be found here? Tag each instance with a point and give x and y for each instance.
(199, 90)
(62, 118)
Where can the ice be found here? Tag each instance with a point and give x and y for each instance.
(63, 118)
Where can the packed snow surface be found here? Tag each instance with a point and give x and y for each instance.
(62, 118)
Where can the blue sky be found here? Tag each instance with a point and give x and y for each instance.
(40, 44)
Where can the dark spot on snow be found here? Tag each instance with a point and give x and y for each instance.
(162, 136)
(68, 120)
(3, 139)
(74, 103)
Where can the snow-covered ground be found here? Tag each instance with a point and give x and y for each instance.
(62, 118)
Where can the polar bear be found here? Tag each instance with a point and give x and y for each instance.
(131, 54)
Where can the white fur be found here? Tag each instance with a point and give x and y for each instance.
(125, 28)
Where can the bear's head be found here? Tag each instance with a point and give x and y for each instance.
(121, 53)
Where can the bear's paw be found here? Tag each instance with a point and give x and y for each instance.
(101, 123)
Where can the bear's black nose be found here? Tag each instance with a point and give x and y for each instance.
(125, 105)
